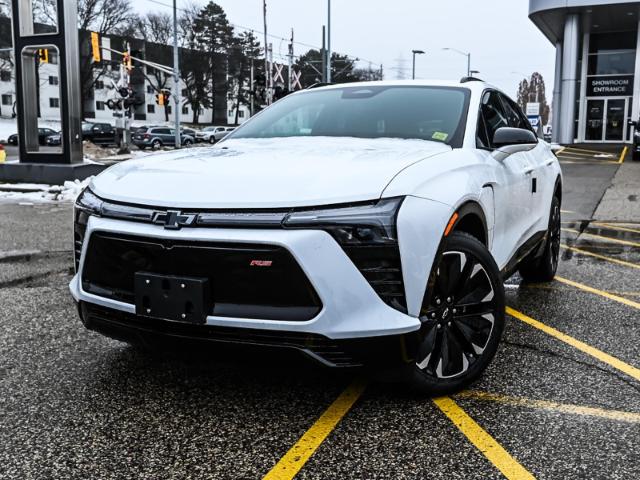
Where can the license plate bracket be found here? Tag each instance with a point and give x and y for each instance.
(167, 297)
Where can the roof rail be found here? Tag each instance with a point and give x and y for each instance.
(470, 79)
(318, 85)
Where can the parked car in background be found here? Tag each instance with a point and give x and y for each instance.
(189, 131)
(547, 131)
(156, 137)
(43, 133)
(213, 134)
(54, 140)
(99, 133)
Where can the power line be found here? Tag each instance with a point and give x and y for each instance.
(277, 37)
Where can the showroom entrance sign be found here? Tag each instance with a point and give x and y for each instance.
(610, 86)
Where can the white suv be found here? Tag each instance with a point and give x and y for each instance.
(361, 224)
(213, 134)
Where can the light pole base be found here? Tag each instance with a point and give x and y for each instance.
(47, 173)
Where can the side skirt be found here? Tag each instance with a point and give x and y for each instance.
(535, 242)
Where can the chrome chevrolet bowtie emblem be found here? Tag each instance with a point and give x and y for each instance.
(173, 219)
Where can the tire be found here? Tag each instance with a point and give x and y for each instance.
(462, 313)
(543, 268)
(188, 143)
(212, 139)
(156, 144)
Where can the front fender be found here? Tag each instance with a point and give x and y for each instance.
(421, 223)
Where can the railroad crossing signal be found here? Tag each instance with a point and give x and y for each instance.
(43, 55)
(95, 47)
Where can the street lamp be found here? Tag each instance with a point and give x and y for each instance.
(415, 52)
(468, 55)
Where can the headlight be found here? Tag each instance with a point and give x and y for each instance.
(371, 223)
(88, 202)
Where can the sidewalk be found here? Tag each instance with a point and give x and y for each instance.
(621, 201)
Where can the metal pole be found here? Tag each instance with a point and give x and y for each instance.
(413, 71)
(252, 86)
(176, 75)
(290, 61)
(468, 64)
(267, 70)
(324, 54)
(328, 41)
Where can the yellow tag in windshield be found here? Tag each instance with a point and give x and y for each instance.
(441, 136)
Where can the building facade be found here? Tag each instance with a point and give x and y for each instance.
(145, 85)
(597, 69)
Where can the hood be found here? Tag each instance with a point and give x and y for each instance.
(264, 173)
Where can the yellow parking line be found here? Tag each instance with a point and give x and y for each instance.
(602, 293)
(608, 239)
(484, 442)
(583, 347)
(584, 150)
(289, 465)
(601, 257)
(617, 415)
(615, 227)
(560, 150)
(623, 154)
(592, 162)
(562, 288)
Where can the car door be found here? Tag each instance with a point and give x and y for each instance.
(542, 175)
(512, 184)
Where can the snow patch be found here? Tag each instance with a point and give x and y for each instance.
(27, 193)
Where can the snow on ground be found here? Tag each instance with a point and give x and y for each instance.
(38, 193)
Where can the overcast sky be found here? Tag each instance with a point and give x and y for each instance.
(498, 33)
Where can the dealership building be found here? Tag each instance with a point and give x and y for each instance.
(597, 77)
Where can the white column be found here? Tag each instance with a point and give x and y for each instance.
(582, 114)
(569, 77)
(557, 90)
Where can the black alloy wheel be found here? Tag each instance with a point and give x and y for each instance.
(462, 317)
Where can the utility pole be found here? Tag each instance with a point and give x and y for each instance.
(328, 41)
(252, 89)
(176, 75)
(267, 70)
(413, 70)
(324, 54)
(290, 62)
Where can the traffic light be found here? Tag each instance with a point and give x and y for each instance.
(126, 60)
(95, 47)
(162, 98)
(43, 55)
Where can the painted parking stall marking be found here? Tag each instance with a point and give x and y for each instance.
(583, 347)
(484, 442)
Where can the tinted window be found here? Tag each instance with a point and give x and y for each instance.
(514, 117)
(493, 114)
(426, 113)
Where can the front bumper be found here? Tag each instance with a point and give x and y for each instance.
(351, 309)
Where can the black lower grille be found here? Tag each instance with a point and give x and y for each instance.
(246, 281)
(381, 266)
(129, 327)
(79, 230)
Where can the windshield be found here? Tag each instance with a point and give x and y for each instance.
(426, 113)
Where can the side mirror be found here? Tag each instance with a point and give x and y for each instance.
(506, 136)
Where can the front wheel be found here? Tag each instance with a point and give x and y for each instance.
(212, 139)
(462, 317)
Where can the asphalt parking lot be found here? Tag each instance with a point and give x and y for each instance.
(561, 399)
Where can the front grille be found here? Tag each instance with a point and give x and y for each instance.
(122, 326)
(247, 280)
(381, 267)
